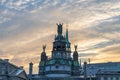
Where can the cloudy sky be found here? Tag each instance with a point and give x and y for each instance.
(25, 25)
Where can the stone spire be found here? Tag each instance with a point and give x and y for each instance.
(67, 38)
(68, 49)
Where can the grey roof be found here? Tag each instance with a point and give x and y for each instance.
(10, 69)
(16, 72)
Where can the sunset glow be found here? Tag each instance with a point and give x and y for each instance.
(26, 25)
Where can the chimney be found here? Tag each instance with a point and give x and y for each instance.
(30, 69)
(85, 70)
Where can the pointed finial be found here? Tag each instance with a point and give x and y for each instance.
(59, 28)
(75, 46)
(67, 35)
(66, 27)
(44, 47)
(59, 24)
